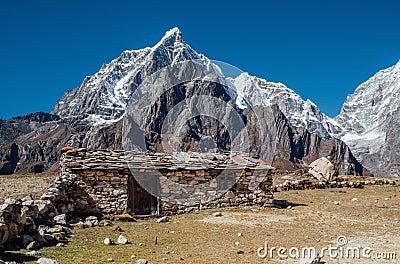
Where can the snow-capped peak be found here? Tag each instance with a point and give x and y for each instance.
(253, 91)
(369, 118)
(173, 34)
(106, 94)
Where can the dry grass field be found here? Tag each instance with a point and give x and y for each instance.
(20, 185)
(368, 217)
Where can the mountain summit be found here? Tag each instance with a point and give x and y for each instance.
(102, 98)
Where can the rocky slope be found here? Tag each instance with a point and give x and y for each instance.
(98, 114)
(301, 113)
(370, 122)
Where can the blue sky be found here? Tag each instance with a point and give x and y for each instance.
(321, 49)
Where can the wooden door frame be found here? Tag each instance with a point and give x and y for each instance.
(133, 183)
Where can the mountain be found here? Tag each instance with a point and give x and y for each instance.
(367, 123)
(103, 97)
(370, 119)
(146, 99)
(300, 113)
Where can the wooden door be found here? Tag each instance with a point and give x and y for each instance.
(141, 202)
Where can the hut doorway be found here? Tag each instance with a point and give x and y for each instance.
(141, 202)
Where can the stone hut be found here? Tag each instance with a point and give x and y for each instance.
(138, 183)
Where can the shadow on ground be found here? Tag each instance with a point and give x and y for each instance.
(281, 204)
(17, 257)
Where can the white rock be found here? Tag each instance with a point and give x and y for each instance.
(163, 219)
(122, 240)
(217, 214)
(47, 261)
(33, 253)
(336, 202)
(141, 261)
(108, 241)
(322, 169)
(60, 219)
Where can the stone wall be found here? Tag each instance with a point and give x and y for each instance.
(100, 182)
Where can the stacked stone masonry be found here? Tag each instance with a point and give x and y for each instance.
(106, 182)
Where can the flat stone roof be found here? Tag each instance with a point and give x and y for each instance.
(79, 159)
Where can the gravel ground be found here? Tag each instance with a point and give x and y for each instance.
(20, 185)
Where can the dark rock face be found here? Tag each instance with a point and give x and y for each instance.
(11, 160)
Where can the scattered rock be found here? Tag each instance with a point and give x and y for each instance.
(141, 261)
(217, 214)
(133, 256)
(118, 229)
(237, 243)
(122, 240)
(240, 234)
(105, 222)
(33, 246)
(240, 252)
(110, 260)
(336, 203)
(108, 241)
(56, 229)
(60, 245)
(142, 244)
(91, 221)
(60, 219)
(33, 253)
(354, 199)
(91, 218)
(163, 219)
(47, 261)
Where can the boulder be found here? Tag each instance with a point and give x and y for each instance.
(323, 170)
